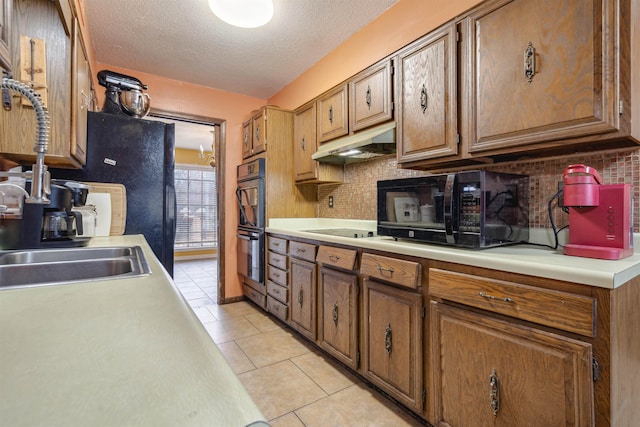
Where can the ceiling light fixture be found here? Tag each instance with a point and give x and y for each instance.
(243, 13)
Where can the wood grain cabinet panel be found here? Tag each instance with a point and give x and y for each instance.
(337, 257)
(561, 310)
(338, 314)
(488, 372)
(392, 356)
(397, 271)
(371, 100)
(305, 144)
(535, 79)
(333, 114)
(303, 286)
(247, 139)
(426, 93)
(5, 33)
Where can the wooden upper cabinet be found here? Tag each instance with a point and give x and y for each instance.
(333, 114)
(259, 131)
(247, 139)
(533, 79)
(427, 97)
(304, 142)
(371, 98)
(5, 32)
(81, 96)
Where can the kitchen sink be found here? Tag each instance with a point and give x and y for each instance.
(39, 267)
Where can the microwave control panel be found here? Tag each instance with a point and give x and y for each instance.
(470, 207)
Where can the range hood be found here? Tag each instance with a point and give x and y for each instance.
(364, 145)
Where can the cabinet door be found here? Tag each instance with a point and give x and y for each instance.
(5, 32)
(247, 139)
(304, 143)
(427, 97)
(259, 129)
(490, 372)
(303, 296)
(370, 97)
(338, 315)
(535, 79)
(81, 96)
(392, 357)
(333, 114)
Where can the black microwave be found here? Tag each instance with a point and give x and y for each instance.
(472, 209)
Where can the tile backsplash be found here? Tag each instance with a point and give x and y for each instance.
(356, 197)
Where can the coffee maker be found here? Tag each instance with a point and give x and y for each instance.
(600, 224)
(55, 224)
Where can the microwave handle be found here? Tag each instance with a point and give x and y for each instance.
(449, 200)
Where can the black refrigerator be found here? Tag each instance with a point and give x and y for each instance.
(139, 154)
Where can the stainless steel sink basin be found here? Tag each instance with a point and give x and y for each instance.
(39, 267)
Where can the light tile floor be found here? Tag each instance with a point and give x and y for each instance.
(292, 383)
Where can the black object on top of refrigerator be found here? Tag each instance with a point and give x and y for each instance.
(139, 154)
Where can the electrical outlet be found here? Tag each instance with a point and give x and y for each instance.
(330, 201)
(561, 195)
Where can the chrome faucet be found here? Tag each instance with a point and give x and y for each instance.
(40, 177)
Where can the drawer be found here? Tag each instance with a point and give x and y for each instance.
(277, 260)
(278, 292)
(337, 257)
(398, 271)
(301, 250)
(254, 295)
(557, 309)
(276, 244)
(277, 275)
(277, 308)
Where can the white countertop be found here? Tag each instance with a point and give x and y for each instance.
(524, 259)
(114, 352)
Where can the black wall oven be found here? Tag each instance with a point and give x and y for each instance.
(250, 194)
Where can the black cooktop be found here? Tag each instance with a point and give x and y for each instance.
(344, 232)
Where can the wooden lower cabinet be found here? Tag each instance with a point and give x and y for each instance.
(338, 315)
(392, 355)
(302, 305)
(489, 372)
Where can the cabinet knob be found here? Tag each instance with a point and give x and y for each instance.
(367, 97)
(334, 313)
(388, 339)
(494, 392)
(529, 62)
(423, 98)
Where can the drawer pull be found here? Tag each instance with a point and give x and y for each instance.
(300, 297)
(334, 313)
(276, 244)
(301, 250)
(491, 297)
(387, 339)
(494, 392)
(383, 270)
(334, 258)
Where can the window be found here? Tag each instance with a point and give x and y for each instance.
(196, 216)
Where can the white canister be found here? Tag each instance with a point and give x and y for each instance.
(427, 213)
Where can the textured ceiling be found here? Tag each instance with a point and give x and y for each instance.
(184, 40)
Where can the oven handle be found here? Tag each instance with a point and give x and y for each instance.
(248, 237)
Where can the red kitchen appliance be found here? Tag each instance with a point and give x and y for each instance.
(599, 215)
